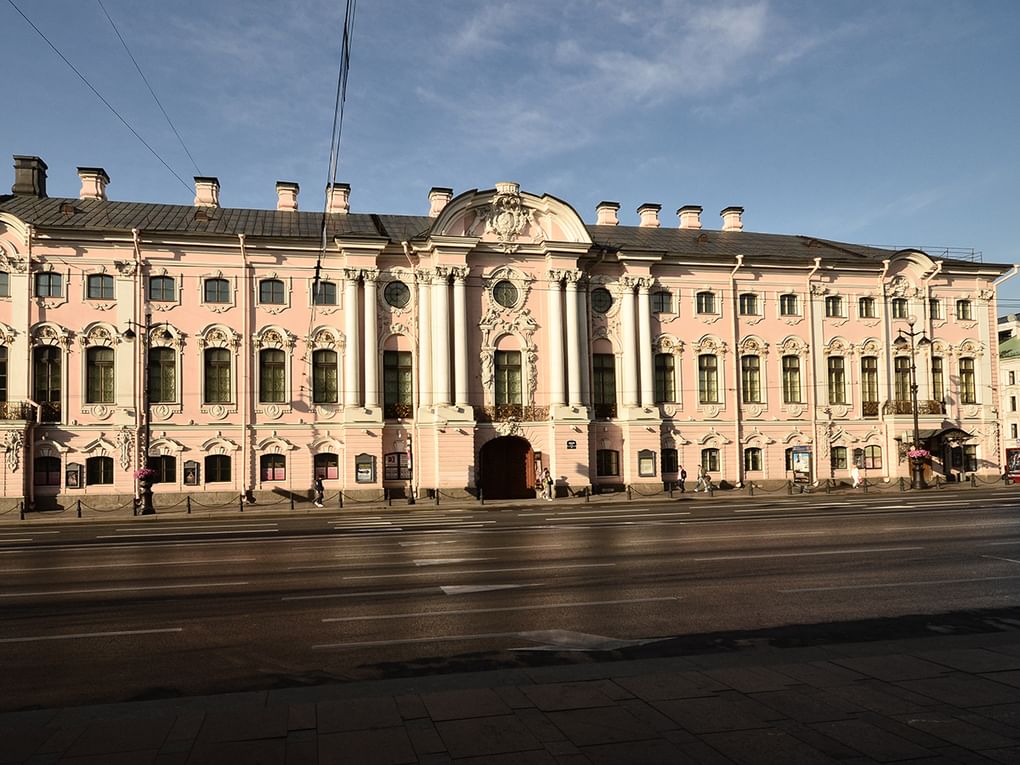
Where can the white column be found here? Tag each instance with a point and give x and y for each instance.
(645, 343)
(371, 340)
(554, 333)
(573, 341)
(441, 335)
(351, 360)
(585, 345)
(424, 338)
(630, 360)
(460, 358)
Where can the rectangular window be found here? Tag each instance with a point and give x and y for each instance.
(963, 310)
(604, 378)
(327, 466)
(161, 289)
(1012, 403)
(901, 378)
(1012, 378)
(397, 377)
(48, 284)
(705, 302)
(708, 379)
(5, 284)
(272, 376)
(750, 379)
(748, 304)
(710, 460)
(670, 461)
(788, 305)
(1013, 430)
(968, 385)
(217, 376)
(607, 462)
(217, 468)
(216, 291)
(165, 467)
(508, 378)
(935, 308)
(162, 375)
(791, 379)
(662, 302)
(99, 287)
(866, 307)
(833, 306)
(869, 379)
(395, 467)
(752, 459)
(837, 380)
(324, 376)
(938, 390)
(3, 373)
(970, 463)
(899, 308)
(99, 375)
(273, 467)
(98, 470)
(839, 458)
(665, 378)
(324, 293)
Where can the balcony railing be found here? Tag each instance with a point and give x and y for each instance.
(398, 411)
(869, 408)
(605, 411)
(899, 406)
(16, 410)
(50, 411)
(507, 412)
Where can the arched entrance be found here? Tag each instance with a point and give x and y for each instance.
(508, 468)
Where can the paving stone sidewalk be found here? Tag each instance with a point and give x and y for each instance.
(938, 699)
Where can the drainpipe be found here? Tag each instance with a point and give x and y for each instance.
(29, 467)
(247, 484)
(812, 351)
(737, 411)
(413, 446)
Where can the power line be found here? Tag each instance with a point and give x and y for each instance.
(98, 95)
(146, 81)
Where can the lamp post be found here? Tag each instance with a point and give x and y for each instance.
(903, 341)
(129, 333)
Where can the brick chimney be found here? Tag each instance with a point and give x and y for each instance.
(29, 176)
(439, 197)
(649, 215)
(93, 183)
(731, 220)
(338, 198)
(286, 196)
(690, 216)
(605, 214)
(207, 191)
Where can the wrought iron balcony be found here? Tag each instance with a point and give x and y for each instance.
(398, 411)
(869, 408)
(605, 411)
(900, 406)
(508, 412)
(16, 410)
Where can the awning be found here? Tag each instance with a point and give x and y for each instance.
(945, 434)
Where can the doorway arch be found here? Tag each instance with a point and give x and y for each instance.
(508, 468)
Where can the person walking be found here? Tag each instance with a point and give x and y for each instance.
(704, 482)
(855, 474)
(683, 480)
(547, 484)
(320, 490)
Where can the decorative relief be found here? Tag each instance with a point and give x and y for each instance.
(710, 344)
(98, 411)
(757, 436)
(273, 337)
(161, 412)
(839, 410)
(711, 411)
(506, 217)
(970, 348)
(125, 442)
(508, 428)
(714, 435)
(125, 268)
(7, 334)
(797, 436)
(14, 442)
(754, 345)
(51, 334)
(668, 344)
(219, 337)
(219, 445)
(793, 345)
(794, 410)
(12, 263)
(522, 281)
(272, 411)
(819, 289)
(326, 411)
(217, 411)
(900, 286)
(837, 346)
(986, 294)
(793, 320)
(98, 335)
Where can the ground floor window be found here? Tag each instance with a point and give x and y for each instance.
(396, 467)
(165, 467)
(273, 467)
(98, 470)
(327, 466)
(217, 468)
(47, 471)
(710, 460)
(839, 457)
(869, 458)
(965, 458)
(752, 459)
(670, 461)
(607, 462)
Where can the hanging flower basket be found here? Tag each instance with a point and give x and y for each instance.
(918, 454)
(144, 474)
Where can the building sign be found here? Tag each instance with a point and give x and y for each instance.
(364, 468)
(646, 463)
(571, 444)
(192, 473)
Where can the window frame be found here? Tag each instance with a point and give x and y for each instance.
(208, 365)
(508, 373)
(277, 291)
(968, 380)
(748, 304)
(272, 468)
(603, 379)
(791, 375)
(835, 377)
(5, 284)
(222, 289)
(165, 466)
(99, 287)
(398, 379)
(834, 307)
(49, 474)
(161, 294)
(325, 468)
(964, 310)
(866, 308)
(753, 459)
(710, 459)
(705, 303)
(840, 455)
(48, 284)
(158, 374)
(662, 301)
(708, 378)
(899, 308)
(750, 379)
(607, 463)
(935, 309)
(100, 375)
(213, 465)
(869, 380)
(99, 471)
(664, 376)
(323, 291)
(789, 304)
(272, 376)
(325, 376)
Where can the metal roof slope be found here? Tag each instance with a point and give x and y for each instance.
(1010, 349)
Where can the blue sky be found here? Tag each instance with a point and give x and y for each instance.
(889, 123)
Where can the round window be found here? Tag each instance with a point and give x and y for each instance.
(397, 294)
(601, 300)
(505, 293)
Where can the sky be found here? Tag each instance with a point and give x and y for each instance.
(866, 121)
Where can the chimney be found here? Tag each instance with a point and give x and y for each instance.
(605, 213)
(207, 191)
(731, 219)
(286, 195)
(338, 198)
(439, 197)
(690, 216)
(29, 176)
(649, 215)
(93, 183)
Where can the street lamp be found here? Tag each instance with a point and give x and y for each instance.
(129, 334)
(905, 340)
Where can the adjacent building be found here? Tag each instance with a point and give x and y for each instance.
(243, 352)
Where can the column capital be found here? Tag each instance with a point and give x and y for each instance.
(459, 273)
(572, 277)
(629, 282)
(352, 274)
(423, 276)
(644, 283)
(440, 274)
(555, 275)
(370, 274)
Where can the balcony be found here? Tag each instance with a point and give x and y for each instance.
(20, 410)
(512, 412)
(869, 408)
(50, 411)
(900, 406)
(398, 411)
(605, 411)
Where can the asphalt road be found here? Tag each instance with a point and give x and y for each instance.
(163, 606)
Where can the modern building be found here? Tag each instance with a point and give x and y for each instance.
(1009, 375)
(245, 351)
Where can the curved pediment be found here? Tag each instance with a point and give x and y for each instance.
(508, 218)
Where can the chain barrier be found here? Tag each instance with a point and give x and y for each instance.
(12, 508)
(349, 498)
(758, 487)
(210, 507)
(93, 508)
(640, 493)
(974, 480)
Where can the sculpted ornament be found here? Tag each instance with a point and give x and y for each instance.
(125, 441)
(49, 334)
(506, 217)
(12, 263)
(14, 442)
(508, 428)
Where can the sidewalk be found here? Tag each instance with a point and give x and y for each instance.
(937, 699)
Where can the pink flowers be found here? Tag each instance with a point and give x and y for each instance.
(918, 454)
(143, 474)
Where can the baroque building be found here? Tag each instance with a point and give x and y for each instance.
(246, 351)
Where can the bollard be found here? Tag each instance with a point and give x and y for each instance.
(79, 508)
(973, 480)
(21, 509)
(711, 489)
(750, 488)
(587, 494)
(789, 487)
(629, 497)
(902, 484)
(188, 503)
(481, 495)
(292, 500)
(388, 496)
(828, 486)
(436, 495)
(240, 503)
(671, 484)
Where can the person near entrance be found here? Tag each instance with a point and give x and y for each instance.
(683, 480)
(320, 490)
(855, 474)
(547, 484)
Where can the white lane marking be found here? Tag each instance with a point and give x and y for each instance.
(1011, 543)
(996, 557)
(86, 591)
(616, 517)
(463, 611)
(34, 533)
(488, 570)
(409, 641)
(445, 561)
(362, 565)
(470, 589)
(204, 527)
(125, 565)
(924, 583)
(976, 525)
(856, 551)
(152, 535)
(429, 542)
(372, 594)
(80, 635)
(477, 549)
(719, 537)
(25, 539)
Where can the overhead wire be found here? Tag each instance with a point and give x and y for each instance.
(99, 95)
(148, 85)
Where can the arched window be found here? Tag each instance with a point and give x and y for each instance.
(710, 460)
(752, 459)
(324, 293)
(46, 471)
(869, 385)
(165, 466)
(324, 376)
(901, 378)
(869, 458)
(272, 376)
(46, 369)
(705, 302)
(217, 376)
(708, 379)
(665, 378)
(99, 375)
(604, 384)
(750, 379)
(162, 375)
(791, 379)
(98, 470)
(607, 462)
(216, 291)
(99, 287)
(271, 292)
(327, 466)
(273, 467)
(508, 378)
(161, 289)
(217, 468)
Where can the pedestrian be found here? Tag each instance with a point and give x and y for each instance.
(320, 490)
(704, 482)
(547, 484)
(855, 474)
(683, 480)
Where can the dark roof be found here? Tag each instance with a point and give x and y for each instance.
(1009, 349)
(97, 215)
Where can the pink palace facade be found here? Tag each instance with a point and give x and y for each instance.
(465, 349)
